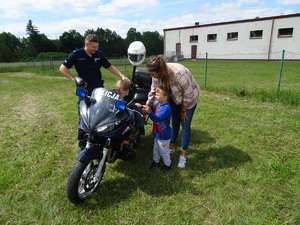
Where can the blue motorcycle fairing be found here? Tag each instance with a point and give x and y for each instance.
(88, 154)
(102, 110)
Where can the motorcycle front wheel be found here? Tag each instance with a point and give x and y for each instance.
(82, 181)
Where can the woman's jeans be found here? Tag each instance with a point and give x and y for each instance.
(186, 126)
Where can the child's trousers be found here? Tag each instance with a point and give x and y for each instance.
(161, 149)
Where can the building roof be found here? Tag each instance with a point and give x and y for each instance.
(197, 25)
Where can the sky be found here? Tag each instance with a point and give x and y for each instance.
(52, 18)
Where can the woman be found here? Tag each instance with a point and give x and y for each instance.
(184, 89)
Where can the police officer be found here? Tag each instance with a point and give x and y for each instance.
(87, 62)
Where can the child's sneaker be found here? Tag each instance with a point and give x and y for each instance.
(166, 168)
(182, 161)
(154, 165)
(171, 151)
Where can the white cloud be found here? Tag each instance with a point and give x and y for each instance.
(51, 6)
(12, 14)
(116, 7)
(247, 2)
(120, 15)
(289, 2)
(25, 5)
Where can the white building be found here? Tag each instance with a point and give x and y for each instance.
(258, 38)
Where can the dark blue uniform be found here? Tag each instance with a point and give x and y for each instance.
(88, 68)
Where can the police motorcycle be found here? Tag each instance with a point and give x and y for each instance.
(111, 129)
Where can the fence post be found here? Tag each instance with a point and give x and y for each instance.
(280, 73)
(52, 64)
(205, 71)
(124, 62)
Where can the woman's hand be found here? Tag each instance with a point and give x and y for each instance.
(183, 116)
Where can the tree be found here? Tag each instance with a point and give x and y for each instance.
(10, 47)
(5, 53)
(153, 42)
(71, 40)
(38, 41)
(133, 35)
(31, 30)
(33, 39)
(115, 44)
(110, 42)
(46, 44)
(120, 47)
(29, 51)
(57, 44)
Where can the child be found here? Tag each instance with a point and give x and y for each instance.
(161, 129)
(122, 88)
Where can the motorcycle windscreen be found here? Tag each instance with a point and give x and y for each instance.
(102, 109)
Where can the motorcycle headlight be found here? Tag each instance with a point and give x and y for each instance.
(107, 127)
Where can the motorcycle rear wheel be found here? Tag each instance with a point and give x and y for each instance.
(82, 181)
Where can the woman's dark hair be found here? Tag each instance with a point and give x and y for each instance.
(158, 65)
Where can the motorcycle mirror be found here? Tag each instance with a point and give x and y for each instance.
(120, 105)
(79, 81)
(80, 92)
(140, 96)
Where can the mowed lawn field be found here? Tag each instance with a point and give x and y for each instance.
(242, 168)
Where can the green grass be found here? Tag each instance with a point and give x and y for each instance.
(243, 162)
(251, 79)
(260, 80)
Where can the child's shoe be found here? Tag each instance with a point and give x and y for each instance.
(166, 168)
(154, 165)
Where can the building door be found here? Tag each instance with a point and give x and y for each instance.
(194, 52)
(178, 49)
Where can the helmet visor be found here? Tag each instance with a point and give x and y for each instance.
(135, 58)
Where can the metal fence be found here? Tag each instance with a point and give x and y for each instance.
(44, 64)
(268, 80)
(51, 64)
(276, 79)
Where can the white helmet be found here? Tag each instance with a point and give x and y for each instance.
(136, 53)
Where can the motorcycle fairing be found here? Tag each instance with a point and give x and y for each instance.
(100, 111)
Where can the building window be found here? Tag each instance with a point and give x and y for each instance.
(194, 38)
(285, 32)
(212, 37)
(256, 34)
(232, 36)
